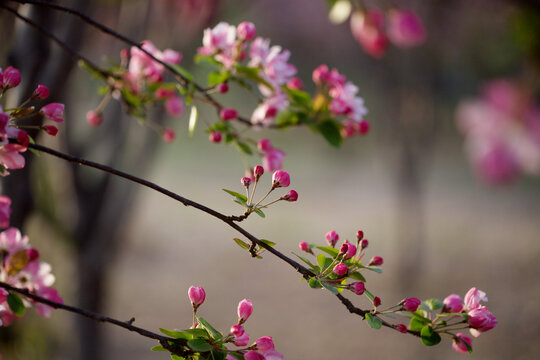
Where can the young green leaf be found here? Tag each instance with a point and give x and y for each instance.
(198, 333)
(330, 288)
(16, 304)
(357, 276)
(242, 244)
(186, 74)
(329, 250)
(216, 335)
(243, 147)
(199, 345)
(176, 334)
(158, 348)
(369, 295)
(417, 323)
(177, 357)
(429, 336)
(373, 322)
(330, 131)
(268, 242)
(314, 283)
(434, 304)
(236, 195)
(260, 213)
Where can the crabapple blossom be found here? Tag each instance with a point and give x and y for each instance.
(295, 83)
(351, 251)
(41, 92)
(376, 301)
(375, 261)
(364, 243)
(272, 157)
(94, 118)
(363, 127)
(53, 111)
(453, 303)
(215, 136)
(340, 269)
(5, 211)
(411, 304)
(473, 297)
(245, 308)
(245, 181)
(237, 330)
(402, 328)
(11, 77)
(367, 29)
(168, 135)
(405, 29)
(458, 343)
(290, 196)
(304, 246)
(241, 340)
(358, 287)
(271, 355)
(281, 178)
(246, 31)
(196, 295)
(265, 113)
(253, 355)
(220, 42)
(227, 114)
(481, 320)
(359, 235)
(174, 106)
(265, 344)
(332, 238)
(258, 171)
(50, 129)
(10, 157)
(222, 88)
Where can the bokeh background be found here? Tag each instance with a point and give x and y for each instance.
(129, 252)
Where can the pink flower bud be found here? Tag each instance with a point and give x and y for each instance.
(168, 135)
(411, 304)
(459, 343)
(376, 301)
(11, 78)
(363, 127)
(228, 114)
(332, 238)
(481, 320)
(340, 269)
(367, 29)
(295, 84)
(320, 74)
(3, 294)
(32, 254)
(473, 298)
(364, 243)
(359, 235)
(163, 93)
(196, 296)
(376, 261)
(222, 88)
(237, 330)
(349, 128)
(264, 145)
(23, 138)
(405, 29)
(94, 118)
(351, 251)
(358, 287)
(215, 136)
(5, 212)
(53, 111)
(245, 181)
(343, 249)
(281, 179)
(271, 112)
(402, 328)
(290, 196)
(41, 92)
(241, 340)
(452, 303)
(245, 308)
(174, 106)
(50, 129)
(246, 31)
(304, 246)
(273, 355)
(253, 355)
(265, 344)
(258, 171)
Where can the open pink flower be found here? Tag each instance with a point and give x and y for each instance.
(53, 111)
(241, 340)
(10, 157)
(474, 297)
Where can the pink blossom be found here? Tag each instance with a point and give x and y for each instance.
(11, 78)
(264, 145)
(258, 171)
(237, 330)
(94, 118)
(351, 251)
(196, 295)
(215, 136)
(376, 301)
(265, 344)
(53, 111)
(265, 113)
(349, 128)
(3, 295)
(281, 178)
(41, 92)
(11, 242)
(290, 196)
(253, 355)
(5, 212)
(245, 181)
(340, 269)
(32, 254)
(346, 95)
(402, 328)
(50, 129)
(168, 135)
(245, 308)
(246, 31)
(367, 29)
(474, 297)
(143, 68)
(343, 249)
(332, 238)
(358, 287)
(273, 160)
(227, 114)
(174, 106)
(222, 88)
(220, 42)
(364, 243)
(170, 56)
(163, 93)
(48, 293)
(458, 343)
(452, 303)
(375, 261)
(304, 246)
(411, 304)
(241, 340)
(10, 157)
(271, 355)
(359, 235)
(295, 84)
(405, 29)
(363, 127)
(481, 320)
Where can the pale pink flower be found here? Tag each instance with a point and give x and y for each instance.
(265, 113)
(271, 355)
(245, 308)
(11, 241)
(458, 344)
(241, 340)
(48, 293)
(411, 304)
(5, 212)
(196, 295)
(53, 111)
(174, 106)
(10, 157)
(474, 297)
(453, 303)
(273, 159)
(295, 84)
(368, 30)
(220, 42)
(265, 344)
(340, 269)
(353, 105)
(405, 29)
(281, 178)
(170, 56)
(264, 145)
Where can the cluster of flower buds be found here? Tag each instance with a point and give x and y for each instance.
(20, 266)
(280, 179)
(204, 337)
(375, 30)
(10, 157)
(502, 132)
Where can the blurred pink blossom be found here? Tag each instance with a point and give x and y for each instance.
(405, 29)
(368, 29)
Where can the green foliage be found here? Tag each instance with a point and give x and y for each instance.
(429, 336)
(16, 304)
(373, 321)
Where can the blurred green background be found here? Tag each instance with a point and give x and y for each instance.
(407, 185)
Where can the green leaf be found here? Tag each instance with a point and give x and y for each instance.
(329, 250)
(299, 97)
(260, 213)
(373, 321)
(237, 356)
(417, 323)
(369, 295)
(193, 116)
(216, 335)
(158, 348)
(252, 73)
(199, 333)
(177, 334)
(378, 270)
(176, 357)
(243, 147)
(131, 98)
(314, 267)
(323, 261)
(357, 276)
(182, 71)
(217, 355)
(237, 195)
(199, 345)
(314, 283)
(433, 304)
(205, 58)
(215, 78)
(16, 304)
(330, 288)
(330, 131)
(268, 242)
(242, 244)
(429, 336)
